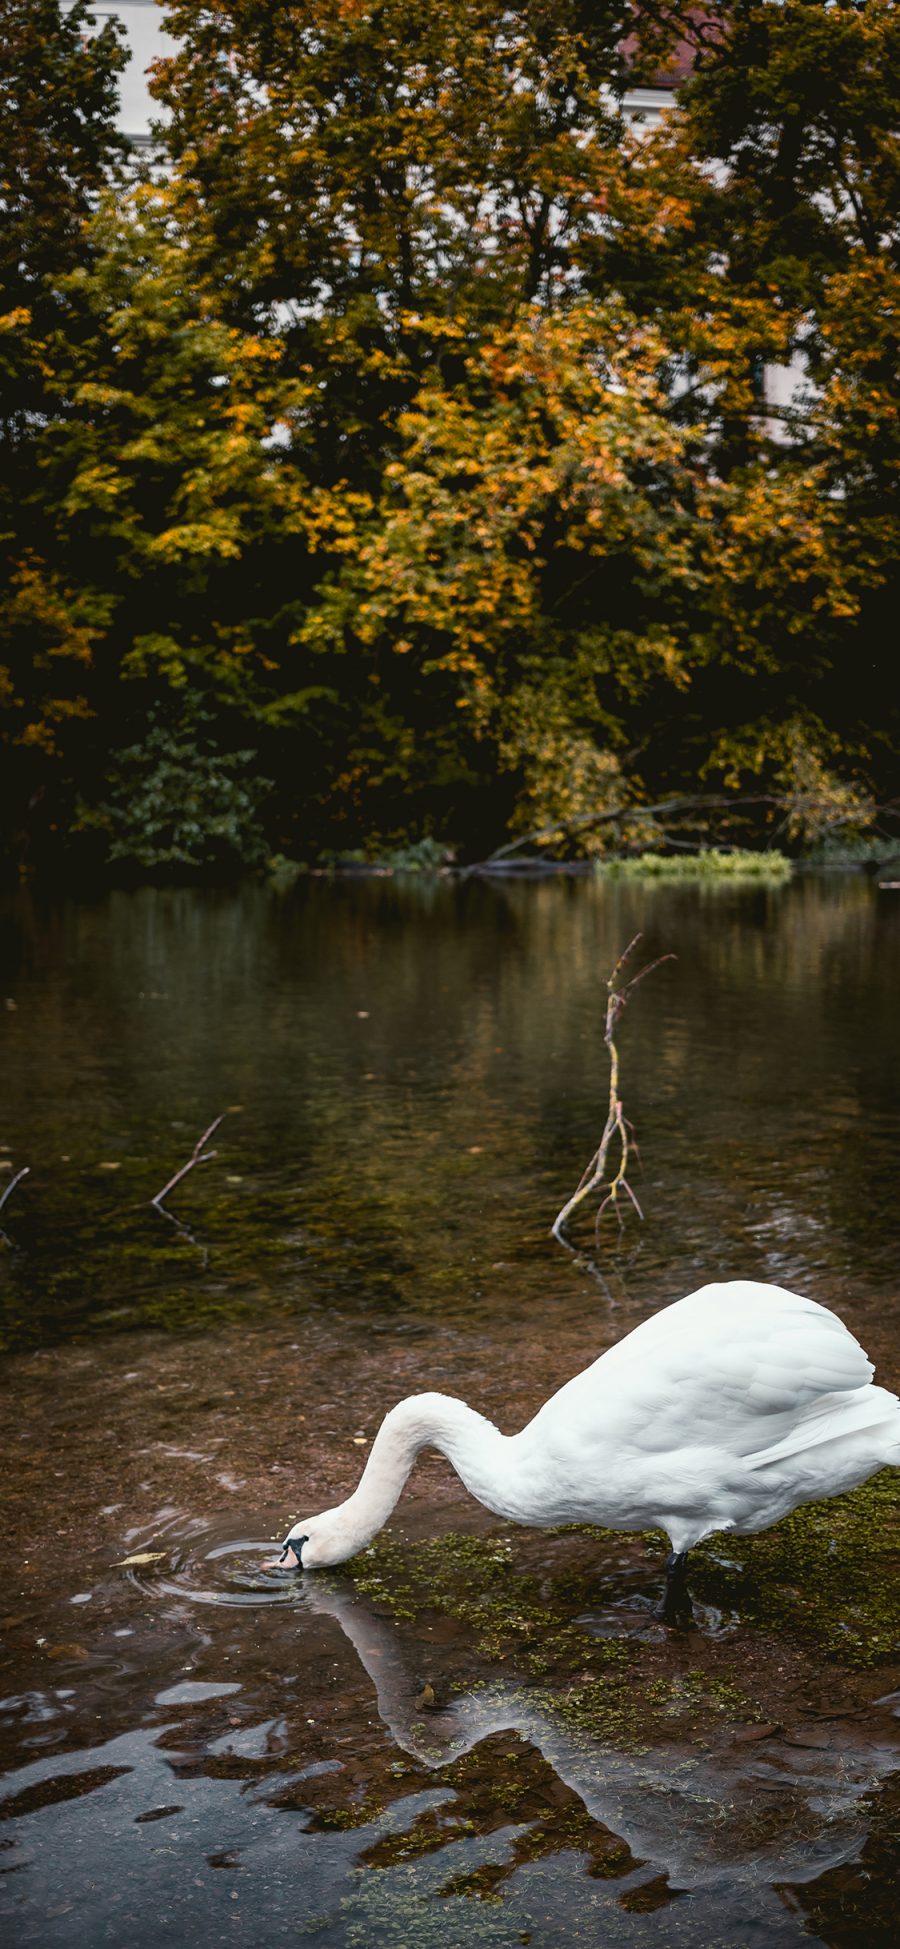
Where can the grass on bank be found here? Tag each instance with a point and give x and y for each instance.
(711, 862)
(428, 856)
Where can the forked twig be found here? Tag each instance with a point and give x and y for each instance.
(13, 1182)
(198, 1156)
(593, 1178)
(185, 1232)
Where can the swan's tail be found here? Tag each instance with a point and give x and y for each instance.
(864, 1412)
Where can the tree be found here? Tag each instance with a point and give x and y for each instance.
(58, 147)
(761, 223)
(166, 514)
(363, 170)
(403, 429)
(530, 535)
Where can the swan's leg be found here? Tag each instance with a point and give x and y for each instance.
(676, 1607)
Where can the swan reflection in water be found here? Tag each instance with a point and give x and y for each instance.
(757, 1811)
(218, 1751)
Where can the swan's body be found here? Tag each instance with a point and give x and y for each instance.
(722, 1412)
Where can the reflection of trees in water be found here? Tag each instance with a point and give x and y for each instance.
(422, 1073)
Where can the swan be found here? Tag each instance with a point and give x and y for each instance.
(724, 1411)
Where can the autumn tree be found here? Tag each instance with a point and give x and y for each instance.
(404, 430)
(58, 148)
(357, 172)
(760, 225)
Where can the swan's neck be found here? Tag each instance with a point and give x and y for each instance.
(481, 1456)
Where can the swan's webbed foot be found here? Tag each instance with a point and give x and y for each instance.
(676, 1608)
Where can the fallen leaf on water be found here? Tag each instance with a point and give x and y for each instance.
(110, 1167)
(66, 1651)
(143, 1556)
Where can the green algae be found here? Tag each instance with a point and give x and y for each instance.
(474, 1580)
(623, 1710)
(596, 1687)
(338, 1819)
(827, 1574)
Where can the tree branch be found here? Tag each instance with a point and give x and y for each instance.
(593, 1177)
(690, 802)
(12, 1184)
(694, 802)
(198, 1156)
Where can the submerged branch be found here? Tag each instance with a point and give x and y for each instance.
(12, 1184)
(198, 1156)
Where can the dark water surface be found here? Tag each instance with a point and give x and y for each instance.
(473, 1733)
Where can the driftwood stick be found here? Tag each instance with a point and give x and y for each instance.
(13, 1182)
(593, 1178)
(198, 1156)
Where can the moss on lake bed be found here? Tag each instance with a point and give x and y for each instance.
(514, 1623)
(825, 1577)
(829, 1573)
(532, 1627)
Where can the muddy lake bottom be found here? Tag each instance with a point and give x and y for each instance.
(472, 1733)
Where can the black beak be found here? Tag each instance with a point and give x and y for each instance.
(294, 1543)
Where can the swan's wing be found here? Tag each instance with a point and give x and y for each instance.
(735, 1366)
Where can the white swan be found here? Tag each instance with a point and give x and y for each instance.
(722, 1412)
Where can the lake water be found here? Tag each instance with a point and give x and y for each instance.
(474, 1733)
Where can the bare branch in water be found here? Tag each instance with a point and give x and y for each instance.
(185, 1230)
(13, 1182)
(198, 1156)
(627, 1187)
(594, 1176)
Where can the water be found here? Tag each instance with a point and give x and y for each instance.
(414, 1078)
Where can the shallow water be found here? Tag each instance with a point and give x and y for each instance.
(495, 1742)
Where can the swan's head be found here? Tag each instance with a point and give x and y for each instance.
(318, 1541)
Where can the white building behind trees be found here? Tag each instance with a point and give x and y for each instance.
(143, 21)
